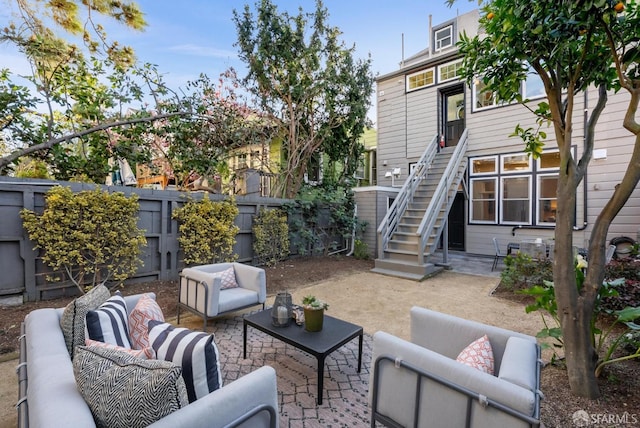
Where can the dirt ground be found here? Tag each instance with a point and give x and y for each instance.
(382, 303)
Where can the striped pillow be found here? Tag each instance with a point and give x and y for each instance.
(195, 352)
(109, 323)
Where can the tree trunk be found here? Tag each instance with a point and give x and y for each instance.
(575, 311)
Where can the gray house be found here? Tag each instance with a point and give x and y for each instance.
(447, 170)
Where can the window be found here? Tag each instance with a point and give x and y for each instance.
(483, 98)
(485, 165)
(516, 194)
(420, 79)
(443, 38)
(527, 192)
(532, 87)
(242, 160)
(547, 198)
(483, 200)
(516, 163)
(449, 71)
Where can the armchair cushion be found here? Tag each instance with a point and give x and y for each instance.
(195, 352)
(519, 355)
(109, 322)
(478, 355)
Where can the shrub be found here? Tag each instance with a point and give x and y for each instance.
(207, 230)
(629, 292)
(361, 250)
(522, 272)
(270, 237)
(90, 236)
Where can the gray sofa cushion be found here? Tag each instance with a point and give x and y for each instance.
(72, 321)
(519, 362)
(147, 390)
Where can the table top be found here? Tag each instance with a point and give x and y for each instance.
(334, 333)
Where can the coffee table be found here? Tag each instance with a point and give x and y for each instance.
(334, 334)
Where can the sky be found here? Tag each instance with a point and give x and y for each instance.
(188, 37)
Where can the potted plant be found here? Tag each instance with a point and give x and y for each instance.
(313, 313)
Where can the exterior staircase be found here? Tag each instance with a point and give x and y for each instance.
(411, 230)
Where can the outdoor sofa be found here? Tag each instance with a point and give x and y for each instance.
(419, 383)
(49, 396)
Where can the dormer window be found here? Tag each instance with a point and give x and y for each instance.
(443, 38)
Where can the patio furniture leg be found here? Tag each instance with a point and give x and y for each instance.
(360, 339)
(244, 340)
(320, 378)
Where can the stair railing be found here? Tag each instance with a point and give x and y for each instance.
(440, 196)
(390, 221)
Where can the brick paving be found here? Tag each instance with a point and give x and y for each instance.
(345, 402)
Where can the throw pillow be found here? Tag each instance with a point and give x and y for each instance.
(145, 354)
(109, 322)
(146, 309)
(72, 321)
(227, 278)
(478, 354)
(125, 391)
(195, 352)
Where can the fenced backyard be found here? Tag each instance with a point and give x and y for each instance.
(23, 273)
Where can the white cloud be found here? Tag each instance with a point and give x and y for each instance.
(205, 51)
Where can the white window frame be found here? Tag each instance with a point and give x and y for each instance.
(495, 162)
(437, 39)
(454, 63)
(539, 199)
(495, 200)
(539, 161)
(502, 199)
(426, 70)
(503, 170)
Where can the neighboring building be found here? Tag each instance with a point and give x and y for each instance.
(491, 188)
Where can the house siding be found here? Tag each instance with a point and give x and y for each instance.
(407, 121)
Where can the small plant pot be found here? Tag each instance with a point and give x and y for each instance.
(313, 319)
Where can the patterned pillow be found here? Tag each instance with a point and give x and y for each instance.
(146, 309)
(478, 355)
(125, 391)
(72, 321)
(109, 322)
(227, 278)
(145, 354)
(195, 352)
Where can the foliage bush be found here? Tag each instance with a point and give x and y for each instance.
(92, 237)
(270, 237)
(361, 250)
(207, 230)
(522, 272)
(629, 292)
(321, 218)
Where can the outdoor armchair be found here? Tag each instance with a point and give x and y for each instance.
(419, 383)
(202, 291)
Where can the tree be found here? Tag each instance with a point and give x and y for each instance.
(571, 45)
(303, 76)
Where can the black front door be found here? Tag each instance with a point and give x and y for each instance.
(453, 115)
(456, 223)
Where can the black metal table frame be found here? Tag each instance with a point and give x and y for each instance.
(257, 321)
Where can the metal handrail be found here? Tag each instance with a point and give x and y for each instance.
(429, 218)
(390, 221)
